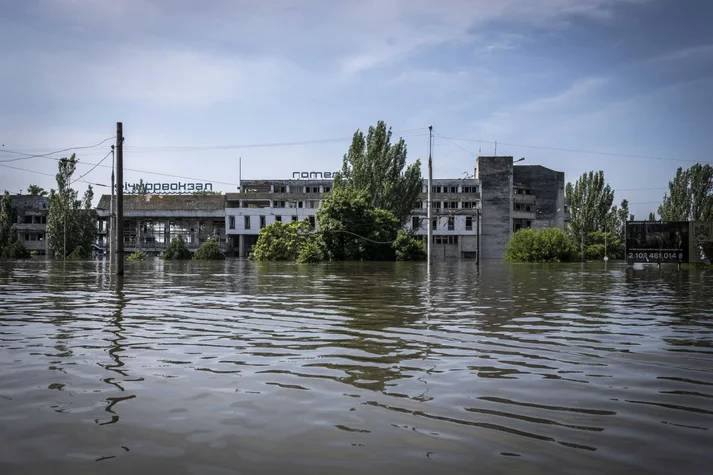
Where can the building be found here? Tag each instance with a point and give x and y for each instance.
(468, 215)
(263, 202)
(152, 221)
(30, 223)
(471, 217)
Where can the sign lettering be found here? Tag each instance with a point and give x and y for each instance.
(173, 188)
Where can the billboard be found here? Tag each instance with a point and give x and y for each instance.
(658, 241)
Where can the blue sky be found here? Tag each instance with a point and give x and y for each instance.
(547, 79)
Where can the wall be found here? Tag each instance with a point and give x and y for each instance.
(496, 183)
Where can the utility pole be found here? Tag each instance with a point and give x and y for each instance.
(428, 199)
(112, 229)
(120, 199)
(240, 174)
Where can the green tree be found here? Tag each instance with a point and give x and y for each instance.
(209, 250)
(281, 241)
(7, 217)
(652, 216)
(540, 245)
(376, 166)
(408, 247)
(71, 223)
(177, 249)
(590, 201)
(690, 195)
(35, 190)
(352, 229)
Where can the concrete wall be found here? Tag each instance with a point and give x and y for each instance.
(548, 187)
(496, 182)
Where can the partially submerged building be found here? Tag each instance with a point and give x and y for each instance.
(471, 217)
(30, 223)
(152, 221)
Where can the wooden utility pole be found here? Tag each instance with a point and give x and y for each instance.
(119, 199)
(428, 199)
(111, 227)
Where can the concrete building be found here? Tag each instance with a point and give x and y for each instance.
(30, 223)
(471, 217)
(152, 221)
(263, 202)
(468, 215)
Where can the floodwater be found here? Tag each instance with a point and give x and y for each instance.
(238, 367)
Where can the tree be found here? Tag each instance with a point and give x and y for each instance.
(540, 245)
(652, 216)
(590, 201)
(71, 223)
(35, 190)
(209, 250)
(408, 248)
(376, 166)
(7, 217)
(352, 229)
(177, 249)
(285, 242)
(690, 195)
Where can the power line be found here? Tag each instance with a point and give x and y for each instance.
(572, 150)
(47, 174)
(193, 148)
(93, 168)
(26, 155)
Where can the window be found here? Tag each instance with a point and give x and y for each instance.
(468, 223)
(278, 204)
(278, 218)
(247, 222)
(434, 223)
(451, 223)
(231, 222)
(436, 189)
(415, 223)
(300, 204)
(262, 222)
(294, 218)
(327, 189)
(311, 222)
(280, 189)
(454, 189)
(454, 205)
(437, 204)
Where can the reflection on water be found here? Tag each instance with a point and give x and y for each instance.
(351, 368)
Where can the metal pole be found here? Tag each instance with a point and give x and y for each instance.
(119, 199)
(428, 199)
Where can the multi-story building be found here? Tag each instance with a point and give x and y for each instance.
(471, 217)
(30, 223)
(263, 202)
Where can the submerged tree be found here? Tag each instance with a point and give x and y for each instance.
(71, 223)
(376, 166)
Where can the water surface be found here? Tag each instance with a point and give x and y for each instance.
(237, 367)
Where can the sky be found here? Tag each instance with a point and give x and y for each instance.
(623, 86)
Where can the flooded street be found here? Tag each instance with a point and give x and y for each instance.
(238, 367)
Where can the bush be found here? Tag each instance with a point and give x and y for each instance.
(137, 256)
(312, 250)
(209, 250)
(408, 248)
(281, 242)
(15, 250)
(177, 249)
(80, 252)
(540, 245)
(594, 246)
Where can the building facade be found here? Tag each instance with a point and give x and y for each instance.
(152, 221)
(30, 221)
(471, 217)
